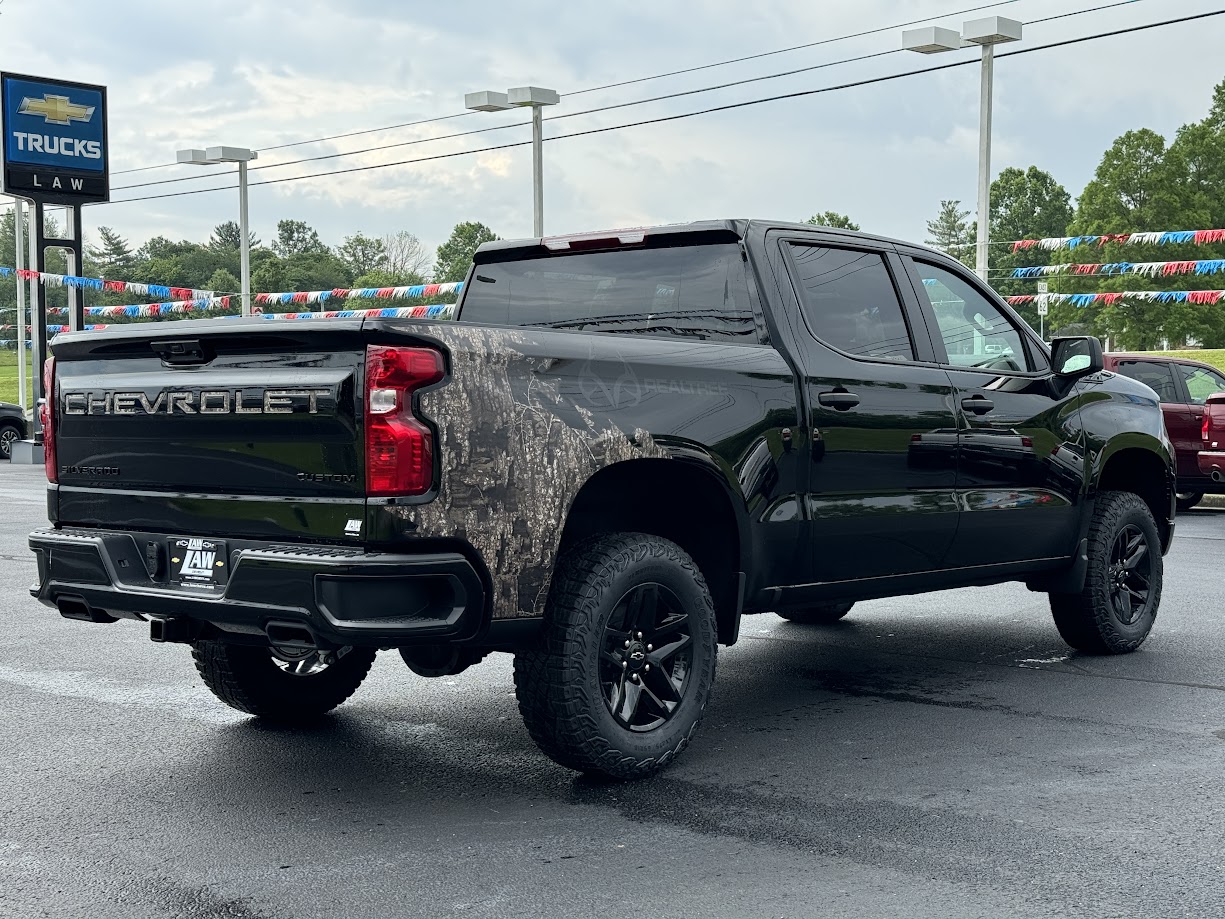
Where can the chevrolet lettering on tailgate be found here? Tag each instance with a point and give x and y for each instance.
(206, 402)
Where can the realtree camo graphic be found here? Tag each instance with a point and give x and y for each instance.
(516, 448)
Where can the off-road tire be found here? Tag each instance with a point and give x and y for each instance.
(246, 677)
(1089, 621)
(820, 614)
(1185, 500)
(559, 684)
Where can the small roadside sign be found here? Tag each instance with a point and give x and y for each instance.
(1044, 287)
(1042, 309)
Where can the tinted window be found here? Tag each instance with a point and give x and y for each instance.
(1201, 382)
(849, 302)
(682, 292)
(1157, 375)
(975, 332)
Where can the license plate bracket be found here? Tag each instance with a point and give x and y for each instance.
(197, 562)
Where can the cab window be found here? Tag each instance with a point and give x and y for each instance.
(976, 334)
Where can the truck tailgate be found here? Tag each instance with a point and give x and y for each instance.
(245, 429)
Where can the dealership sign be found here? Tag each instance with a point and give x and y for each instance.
(54, 145)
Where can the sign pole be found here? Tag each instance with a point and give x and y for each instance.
(19, 233)
(38, 317)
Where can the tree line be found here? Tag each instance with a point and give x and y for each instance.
(295, 260)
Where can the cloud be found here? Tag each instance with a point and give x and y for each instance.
(260, 74)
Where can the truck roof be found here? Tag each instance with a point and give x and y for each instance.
(731, 229)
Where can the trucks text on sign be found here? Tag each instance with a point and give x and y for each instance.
(54, 143)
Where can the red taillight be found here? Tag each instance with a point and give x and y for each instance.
(1205, 430)
(46, 418)
(399, 447)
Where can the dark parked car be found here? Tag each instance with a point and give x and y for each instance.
(627, 441)
(1183, 387)
(13, 427)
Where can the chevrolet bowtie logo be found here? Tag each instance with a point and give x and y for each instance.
(56, 109)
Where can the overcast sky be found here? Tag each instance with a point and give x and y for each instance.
(259, 74)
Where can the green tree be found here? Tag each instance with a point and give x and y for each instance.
(296, 237)
(227, 237)
(113, 258)
(950, 230)
(455, 255)
(832, 219)
(1025, 204)
(1133, 189)
(223, 282)
(361, 254)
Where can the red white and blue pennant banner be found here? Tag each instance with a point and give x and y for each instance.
(1150, 269)
(153, 309)
(1158, 296)
(362, 293)
(1159, 238)
(124, 287)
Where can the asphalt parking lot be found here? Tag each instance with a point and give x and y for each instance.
(935, 756)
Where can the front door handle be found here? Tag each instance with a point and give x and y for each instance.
(839, 399)
(979, 405)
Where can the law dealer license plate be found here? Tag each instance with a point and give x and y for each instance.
(198, 562)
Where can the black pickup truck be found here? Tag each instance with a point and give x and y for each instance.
(626, 441)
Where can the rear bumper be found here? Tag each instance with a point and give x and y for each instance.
(340, 596)
(1212, 464)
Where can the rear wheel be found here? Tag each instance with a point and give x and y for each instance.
(820, 614)
(1188, 499)
(1116, 610)
(627, 659)
(281, 684)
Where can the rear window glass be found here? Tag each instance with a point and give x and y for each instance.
(695, 292)
(1154, 374)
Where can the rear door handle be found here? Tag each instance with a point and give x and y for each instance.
(839, 399)
(979, 405)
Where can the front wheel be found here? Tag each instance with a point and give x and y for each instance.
(624, 670)
(1116, 610)
(1185, 500)
(281, 684)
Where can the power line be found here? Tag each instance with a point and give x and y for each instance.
(522, 124)
(605, 108)
(720, 108)
(591, 89)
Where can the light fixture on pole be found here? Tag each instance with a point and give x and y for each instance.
(987, 33)
(536, 98)
(241, 156)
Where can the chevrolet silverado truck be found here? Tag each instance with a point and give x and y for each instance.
(624, 443)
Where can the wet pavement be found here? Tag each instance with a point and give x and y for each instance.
(934, 756)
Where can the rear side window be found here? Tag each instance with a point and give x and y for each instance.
(849, 302)
(1156, 375)
(1201, 382)
(694, 292)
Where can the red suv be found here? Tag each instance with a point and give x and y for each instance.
(1183, 387)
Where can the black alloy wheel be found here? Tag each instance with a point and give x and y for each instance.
(647, 658)
(1131, 571)
(626, 660)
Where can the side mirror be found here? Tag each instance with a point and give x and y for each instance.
(1076, 357)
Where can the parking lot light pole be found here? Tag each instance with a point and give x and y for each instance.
(536, 98)
(987, 33)
(241, 156)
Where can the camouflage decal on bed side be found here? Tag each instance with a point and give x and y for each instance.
(515, 451)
